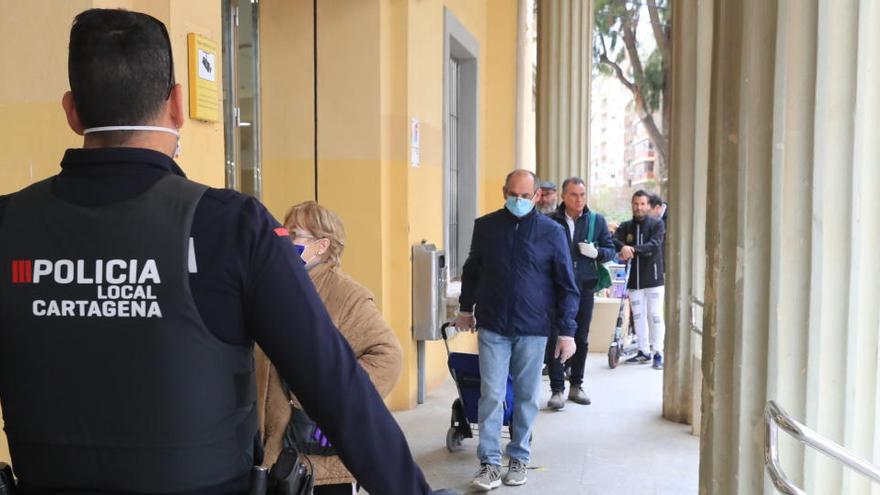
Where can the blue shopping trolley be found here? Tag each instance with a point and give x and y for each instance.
(465, 370)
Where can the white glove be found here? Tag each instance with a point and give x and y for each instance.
(588, 249)
(565, 348)
(465, 322)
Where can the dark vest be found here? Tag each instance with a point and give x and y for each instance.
(109, 379)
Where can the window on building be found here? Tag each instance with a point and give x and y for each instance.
(460, 142)
(452, 239)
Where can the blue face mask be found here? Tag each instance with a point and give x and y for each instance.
(300, 249)
(520, 207)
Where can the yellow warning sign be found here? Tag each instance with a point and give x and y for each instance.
(204, 81)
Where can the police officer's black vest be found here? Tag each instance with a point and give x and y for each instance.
(109, 378)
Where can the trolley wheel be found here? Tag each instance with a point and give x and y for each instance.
(453, 439)
(613, 356)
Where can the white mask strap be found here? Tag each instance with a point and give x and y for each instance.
(111, 128)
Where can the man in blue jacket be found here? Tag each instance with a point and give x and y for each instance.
(589, 247)
(518, 275)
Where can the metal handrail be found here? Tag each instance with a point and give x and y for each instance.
(694, 303)
(774, 418)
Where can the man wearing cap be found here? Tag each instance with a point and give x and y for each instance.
(547, 200)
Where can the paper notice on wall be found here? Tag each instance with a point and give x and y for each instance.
(206, 66)
(415, 143)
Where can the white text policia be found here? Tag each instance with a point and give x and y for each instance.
(124, 288)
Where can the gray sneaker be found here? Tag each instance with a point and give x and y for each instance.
(557, 401)
(487, 478)
(516, 473)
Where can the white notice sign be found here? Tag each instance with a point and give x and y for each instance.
(415, 143)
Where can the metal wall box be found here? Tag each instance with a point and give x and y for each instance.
(429, 291)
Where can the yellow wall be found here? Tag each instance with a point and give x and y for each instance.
(380, 63)
(33, 130)
(286, 73)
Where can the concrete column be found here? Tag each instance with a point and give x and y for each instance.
(861, 430)
(700, 170)
(831, 208)
(526, 58)
(738, 234)
(790, 253)
(564, 67)
(791, 285)
(686, 242)
(677, 386)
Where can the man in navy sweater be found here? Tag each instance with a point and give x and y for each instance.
(131, 298)
(518, 275)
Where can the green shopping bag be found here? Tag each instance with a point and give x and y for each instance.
(601, 270)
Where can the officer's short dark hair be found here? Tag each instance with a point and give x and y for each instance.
(120, 68)
(655, 200)
(642, 193)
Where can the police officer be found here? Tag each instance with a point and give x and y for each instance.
(131, 298)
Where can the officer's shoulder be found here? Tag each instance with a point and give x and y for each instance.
(223, 197)
(233, 202)
(5, 199)
(236, 210)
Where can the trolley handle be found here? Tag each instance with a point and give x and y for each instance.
(443, 328)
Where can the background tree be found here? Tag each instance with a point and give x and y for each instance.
(616, 45)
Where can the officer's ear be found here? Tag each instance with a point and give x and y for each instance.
(176, 106)
(72, 116)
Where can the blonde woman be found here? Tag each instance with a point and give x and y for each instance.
(319, 236)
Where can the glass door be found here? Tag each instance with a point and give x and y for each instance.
(241, 95)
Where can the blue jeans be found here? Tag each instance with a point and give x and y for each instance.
(521, 357)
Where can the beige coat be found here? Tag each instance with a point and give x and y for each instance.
(353, 311)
